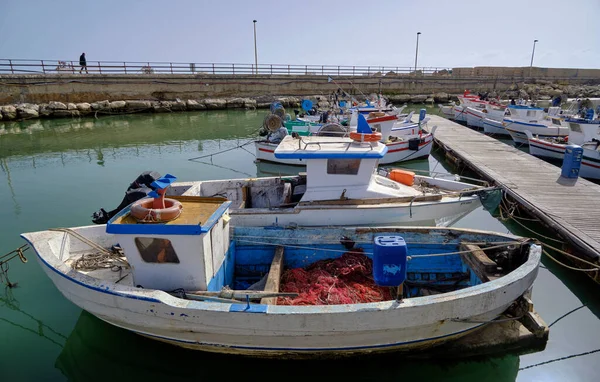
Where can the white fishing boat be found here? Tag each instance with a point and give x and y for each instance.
(447, 111)
(196, 282)
(535, 120)
(405, 139)
(341, 187)
(582, 132)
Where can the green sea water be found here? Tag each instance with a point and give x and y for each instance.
(55, 173)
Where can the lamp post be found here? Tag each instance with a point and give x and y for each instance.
(417, 52)
(255, 52)
(532, 53)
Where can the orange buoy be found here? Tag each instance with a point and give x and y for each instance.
(402, 176)
(362, 137)
(143, 211)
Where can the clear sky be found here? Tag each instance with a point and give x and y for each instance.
(342, 32)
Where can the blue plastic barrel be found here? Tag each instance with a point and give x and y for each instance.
(389, 260)
(422, 113)
(572, 161)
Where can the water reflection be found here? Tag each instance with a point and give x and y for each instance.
(96, 351)
(53, 136)
(7, 301)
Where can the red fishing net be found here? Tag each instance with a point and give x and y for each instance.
(345, 280)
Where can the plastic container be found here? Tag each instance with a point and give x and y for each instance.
(389, 260)
(422, 113)
(403, 176)
(571, 161)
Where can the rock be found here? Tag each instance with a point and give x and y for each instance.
(263, 105)
(215, 103)
(53, 105)
(161, 106)
(65, 113)
(440, 97)
(71, 106)
(138, 105)
(390, 74)
(117, 105)
(100, 105)
(399, 98)
(84, 107)
(27, 111)
(523, 94)
(233, 103)
(544, 98)
(9, 112)
(0, 116)
(418, 98)
(250, 103)
(429, 100)
(178, 105)
(45, 110)
(323, 104)
(195, 105)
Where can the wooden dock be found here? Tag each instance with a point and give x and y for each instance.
(571, 207)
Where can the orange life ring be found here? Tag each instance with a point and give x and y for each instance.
(360, 137)
(142, 210)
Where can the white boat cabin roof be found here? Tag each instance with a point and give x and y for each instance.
(317, 147)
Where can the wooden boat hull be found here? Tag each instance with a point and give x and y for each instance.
(294, 331)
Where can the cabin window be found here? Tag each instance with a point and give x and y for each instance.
(155, 250)
(530, 113)
(343, 166)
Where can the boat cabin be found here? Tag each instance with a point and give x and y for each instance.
(187, 252)
(339, 168)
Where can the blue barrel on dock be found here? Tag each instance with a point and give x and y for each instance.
(422, 113)
(571, 161)
(389, 260)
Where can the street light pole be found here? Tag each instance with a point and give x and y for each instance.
(417, 52)
(532, 53)
(255, 51)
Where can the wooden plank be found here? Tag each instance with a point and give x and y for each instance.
(479, 263)
(562, 204)
(357, 202)
(274, 276)
(487, 264)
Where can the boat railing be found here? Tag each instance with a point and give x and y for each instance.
(437, 174)
(346, 142)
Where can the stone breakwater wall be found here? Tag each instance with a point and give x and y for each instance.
(55, 96)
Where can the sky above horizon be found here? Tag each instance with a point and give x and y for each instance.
(461, 33)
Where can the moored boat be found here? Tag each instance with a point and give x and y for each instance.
(535, 120)
(341, 187)
(199, 283)
(582, 132)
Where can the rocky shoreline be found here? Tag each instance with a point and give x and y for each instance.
(541, 90)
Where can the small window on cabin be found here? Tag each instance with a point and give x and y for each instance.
(155, 250)
(343, 166)
(530, 113)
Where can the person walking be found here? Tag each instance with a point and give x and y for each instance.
(83, 63)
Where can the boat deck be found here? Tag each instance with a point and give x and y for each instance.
(568, 206)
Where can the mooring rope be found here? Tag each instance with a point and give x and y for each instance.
(560, 359)
(90, 261)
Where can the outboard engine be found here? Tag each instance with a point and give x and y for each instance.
(138, 189)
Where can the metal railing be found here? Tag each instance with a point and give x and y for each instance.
(19, 66)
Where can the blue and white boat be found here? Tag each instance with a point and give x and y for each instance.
(535, 120)
(583, 132)
(185, 281)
